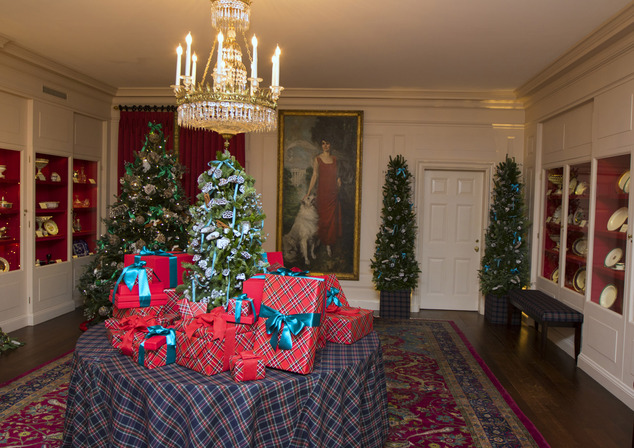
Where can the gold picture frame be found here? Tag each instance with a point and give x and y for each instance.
(319, 190)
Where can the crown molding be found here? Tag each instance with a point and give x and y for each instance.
(611, 31)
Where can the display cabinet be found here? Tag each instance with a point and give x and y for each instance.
(552, 226)
(578, 208)
(10, 228)
(84, 216)
(610, 232)
(51, 209)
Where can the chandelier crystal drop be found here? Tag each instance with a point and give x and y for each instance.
(230, 102)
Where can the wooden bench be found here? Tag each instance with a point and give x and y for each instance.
(547, 311)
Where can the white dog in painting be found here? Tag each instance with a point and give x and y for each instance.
(303, 235)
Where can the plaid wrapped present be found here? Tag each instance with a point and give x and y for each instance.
(189, 309)
(205, 343)
(154, 346)
(167, 266)
(128, 325)
(152, 311)
(241, 310)
(347, 325)
(287, 331)
(245, 338)
(173, 297)
(334, 293)
(247, 366)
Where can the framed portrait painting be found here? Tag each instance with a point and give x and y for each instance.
(319, 190)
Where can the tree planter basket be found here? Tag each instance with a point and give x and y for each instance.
(395, 304)
(496, 308)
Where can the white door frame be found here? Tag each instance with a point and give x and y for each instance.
(421, 166)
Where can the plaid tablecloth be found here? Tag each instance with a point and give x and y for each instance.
(114, 402)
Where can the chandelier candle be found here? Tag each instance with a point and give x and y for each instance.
(179, 52)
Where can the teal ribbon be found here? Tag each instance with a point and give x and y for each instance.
(237, 312)
(129, 275)
(288, 324)
(401, 171)
(289, 273)
(173, 261)
(170, 338)
(332, 297)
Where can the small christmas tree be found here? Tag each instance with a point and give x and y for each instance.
(394, 265)
(505, 264)
(150, 212)
(226, 234)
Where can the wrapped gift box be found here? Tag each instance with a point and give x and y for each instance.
(334, 292)
(347, 325)
(295, 303)
(247, 366)
(167, 266)
(128, 324)
(188, 309)
(205, 343)
(253, 287)
(153, 347)
(130, 300)
(240, 310)
(274, 259)
(152, 311)
(173, 297)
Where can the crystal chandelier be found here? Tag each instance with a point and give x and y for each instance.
(232, 104)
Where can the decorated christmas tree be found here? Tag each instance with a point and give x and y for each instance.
(150, 212)
(225, 234)
(505, 264)
(394, 266)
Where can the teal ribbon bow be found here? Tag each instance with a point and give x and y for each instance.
(130, 275)
(332, 297)
(237, 312)
(287, 324)
(170, 338)
(289, 272)
(173, 261)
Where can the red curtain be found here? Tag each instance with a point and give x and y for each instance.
(197, 149)
(133, 127)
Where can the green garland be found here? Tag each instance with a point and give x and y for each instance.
(7, 343)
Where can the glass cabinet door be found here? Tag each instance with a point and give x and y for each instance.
(84, 207)
(578, 198)
(553, 215)
(610, 232)
(9, 210)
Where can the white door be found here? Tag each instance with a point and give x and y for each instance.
(452, 233)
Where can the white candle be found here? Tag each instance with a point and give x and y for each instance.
(179, 52)
(277, 65)
(273, 71)
(194, 59)
(220, 40)
(188, 55)
(254, 64)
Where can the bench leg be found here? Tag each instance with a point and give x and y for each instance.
(544, 334)
(577, 340)
(509, 314)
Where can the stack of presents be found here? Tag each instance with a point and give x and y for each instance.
(281, 319)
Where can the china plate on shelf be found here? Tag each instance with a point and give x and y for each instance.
(557, 215)
(4, 265)
(579, 280)
(626, 187)
(617, 219)
(580, 247)
(50, 227)
(555, 276)
(608, 296)
(623, 180)
(613, 257)
(581, 188)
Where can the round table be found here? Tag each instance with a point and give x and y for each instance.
(112, 401)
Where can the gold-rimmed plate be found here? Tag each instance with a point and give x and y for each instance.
(613, 257)
(4, 265)
(579, 280)
(580, 247)
(51, 227)
(623, 180)
(608, 296)
(555, 276)
(617, 219)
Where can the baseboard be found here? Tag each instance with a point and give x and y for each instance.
(50, 313)
(615, 386)
(14, 324)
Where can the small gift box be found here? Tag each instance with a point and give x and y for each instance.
(154, 347)
(154, 297)
(253, 288)
(205, 343)
(247, 366)
(127, 326)
(334, 293)
(347, 325)
(241, 310)
(289, 325)
(173, 297)
(134, 277)
(274, 259)
(167, 266)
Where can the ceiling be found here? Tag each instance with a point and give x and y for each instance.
(448, 45)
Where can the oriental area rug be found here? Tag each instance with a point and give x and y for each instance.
(440, 394)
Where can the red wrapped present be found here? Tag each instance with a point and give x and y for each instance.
(167, 266)
(173, 297)
(245, 337)
(334, 293)
(247, 366)
(187, 308)
(241, 310)
(127, 325)
(154, 297)
(253, 288)
(152, 311)
(274, 259)
(205, 343)
(347, 325)
(288, 328)
(155, 346)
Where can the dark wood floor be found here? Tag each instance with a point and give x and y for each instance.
(567, 406)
